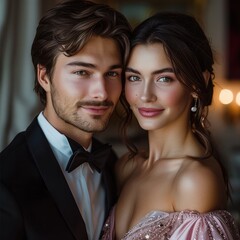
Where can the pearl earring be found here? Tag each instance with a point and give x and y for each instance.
(194, 108)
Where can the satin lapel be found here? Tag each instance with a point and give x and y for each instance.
(54, 180)
(108, 178)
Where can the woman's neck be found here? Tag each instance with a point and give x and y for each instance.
(173, 144)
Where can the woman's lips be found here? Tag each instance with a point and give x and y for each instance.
(150, 112)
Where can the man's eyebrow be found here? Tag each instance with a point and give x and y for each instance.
(131, 70)
(116, 66)
(90, 65)
(83, 64)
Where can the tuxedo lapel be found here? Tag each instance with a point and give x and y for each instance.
(108, 177)
(106, 181)
(54, 180)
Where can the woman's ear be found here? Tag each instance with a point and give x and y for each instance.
(194, 95)
(43, 78)
(206, 76)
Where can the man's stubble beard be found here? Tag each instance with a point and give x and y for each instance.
(95, 124)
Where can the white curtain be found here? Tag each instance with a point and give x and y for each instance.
(18, 102)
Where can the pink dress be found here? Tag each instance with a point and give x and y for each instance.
(184, 225)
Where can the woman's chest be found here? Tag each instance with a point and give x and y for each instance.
(140, 196)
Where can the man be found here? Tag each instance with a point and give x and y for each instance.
(78, 53)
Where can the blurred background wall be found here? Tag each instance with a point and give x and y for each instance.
(221, 22)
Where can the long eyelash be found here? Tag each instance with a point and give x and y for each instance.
(134, 78)
(168, 79)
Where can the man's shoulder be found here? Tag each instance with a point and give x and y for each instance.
(17, 142)
(11, 158)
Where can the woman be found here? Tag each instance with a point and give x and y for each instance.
(178, 188)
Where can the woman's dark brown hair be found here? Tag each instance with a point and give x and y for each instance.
(190, 53)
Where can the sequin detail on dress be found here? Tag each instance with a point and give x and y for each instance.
(191, 225)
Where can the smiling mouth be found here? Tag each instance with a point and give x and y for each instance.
(94, 110)
(150, 112)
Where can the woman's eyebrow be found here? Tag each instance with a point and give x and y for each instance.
(163, 70)
(131, 70)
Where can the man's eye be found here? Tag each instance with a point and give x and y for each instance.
(164, 79)
(81, 73)
(133, 78)
(112, 74)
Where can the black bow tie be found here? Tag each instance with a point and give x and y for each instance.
(96, 159)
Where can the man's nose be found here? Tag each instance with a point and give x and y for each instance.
(98, 88)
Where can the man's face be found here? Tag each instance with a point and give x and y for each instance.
(84, 88)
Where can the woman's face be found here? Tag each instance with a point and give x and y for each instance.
(153, 91)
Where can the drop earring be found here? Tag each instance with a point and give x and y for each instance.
(194, 108)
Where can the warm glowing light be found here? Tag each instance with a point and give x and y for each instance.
(226, 96)
(238, 99)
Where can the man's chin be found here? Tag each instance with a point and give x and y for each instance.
(95, 127)
(99, 128)
(94, 130)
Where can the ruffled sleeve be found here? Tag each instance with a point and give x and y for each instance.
(214, 225)
(184, 225)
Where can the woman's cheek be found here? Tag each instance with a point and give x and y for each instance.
(130, 94)
(176, 97)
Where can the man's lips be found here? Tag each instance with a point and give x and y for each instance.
(96, 110)
(95, 107)
(150, 112)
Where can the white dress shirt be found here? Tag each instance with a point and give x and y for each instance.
(84, 182)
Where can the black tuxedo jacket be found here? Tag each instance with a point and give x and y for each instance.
(35, 200)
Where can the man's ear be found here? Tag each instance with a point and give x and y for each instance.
(206, 76)
(43, 78)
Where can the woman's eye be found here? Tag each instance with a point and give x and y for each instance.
(133, 78)
(164, 79)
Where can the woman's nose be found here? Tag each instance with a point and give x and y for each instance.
(148, 94)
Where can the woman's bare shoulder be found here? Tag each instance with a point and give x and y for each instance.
(199, 185)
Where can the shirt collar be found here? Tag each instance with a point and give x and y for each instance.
(55, 138)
